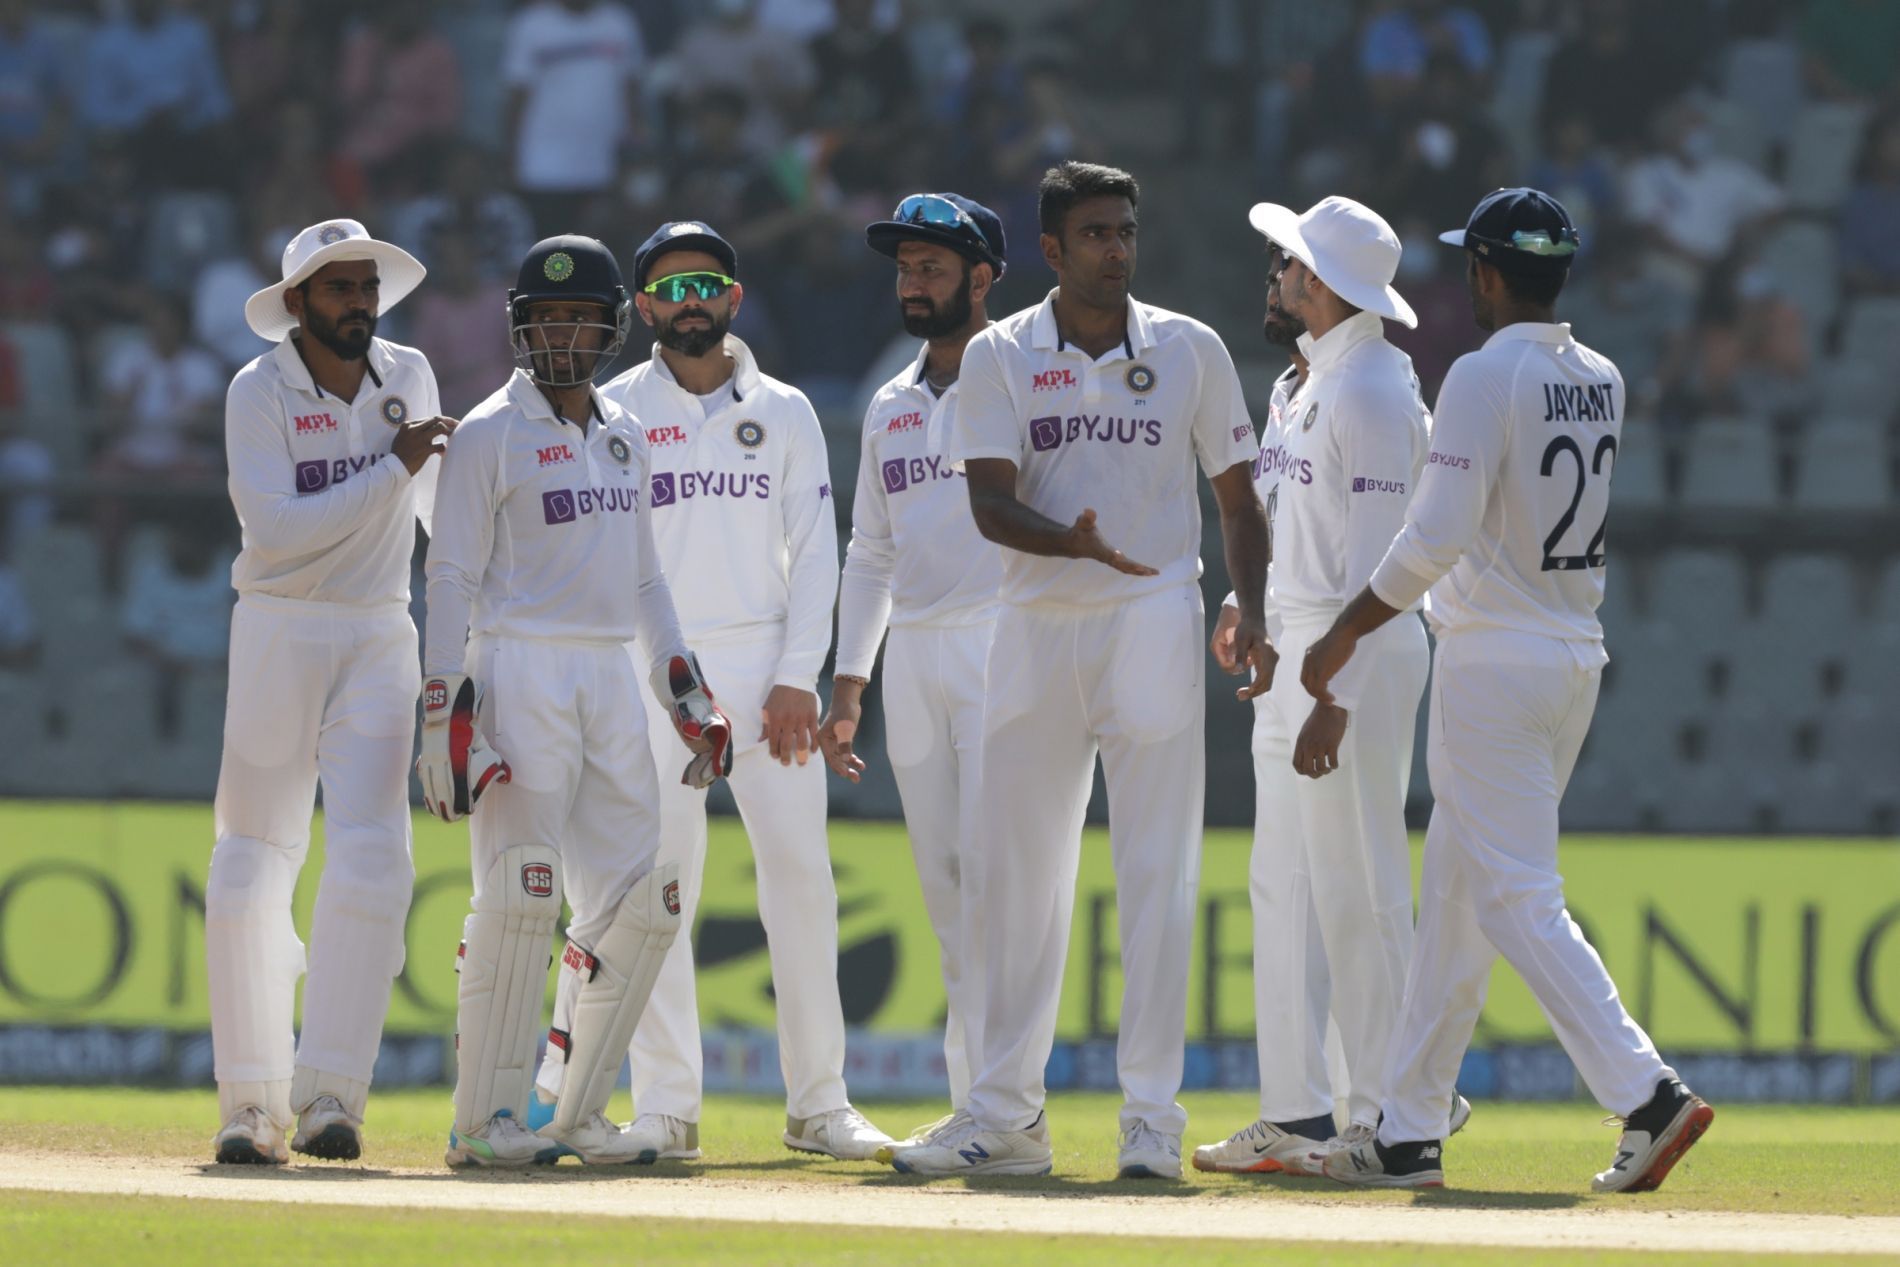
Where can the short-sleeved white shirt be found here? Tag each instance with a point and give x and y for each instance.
(576, 69)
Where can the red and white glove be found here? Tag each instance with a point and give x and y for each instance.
(681, 687)
(456, 765)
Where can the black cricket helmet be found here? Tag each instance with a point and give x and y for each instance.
(568, 269)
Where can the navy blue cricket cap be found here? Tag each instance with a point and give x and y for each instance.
(683, 235)
(964, 225)
(1522, 230)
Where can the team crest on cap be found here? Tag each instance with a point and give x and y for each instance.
(1140, 379)
(619, 450)
(558, 267)
(750, 432)
(395, 411)
(1312, 412)
(331, 233)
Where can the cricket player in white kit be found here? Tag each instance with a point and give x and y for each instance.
(1080, 421)
(542, 572)
(328, 437)
(1507, 535)
(1334, 856)
(917, 564)
(742, 515)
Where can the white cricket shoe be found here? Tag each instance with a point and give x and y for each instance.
(1370, 1164)
(501, 1141)
(917, 1136)
(964, 1148)
(598, 1142)
(842, 1133)
(1654, 1139)
(663, 1138)
(1352, 1137)
(1460, 1114)
(328, 1130)
(251, 1138)
(1259, 1149)
(1147, 1153)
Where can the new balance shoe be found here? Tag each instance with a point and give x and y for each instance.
(250, 1138)
(1370, 1164)
(501, 1141)
(1654, 1139)
(917, 1136)
(1147, 1153)
(965, 1148)
(327, 1130)
(841, 1133)
(1352, 1137)
(659, 1137)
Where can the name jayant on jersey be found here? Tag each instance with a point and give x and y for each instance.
(314, 477)
(565, 505)
(1053, 431)
(678, 486)
(1279, 461)
(903, 473)
(1568, 402)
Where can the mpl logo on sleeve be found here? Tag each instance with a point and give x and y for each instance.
(537, 879)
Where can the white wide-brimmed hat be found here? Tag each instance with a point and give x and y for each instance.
(326, 243)
(1347, 245)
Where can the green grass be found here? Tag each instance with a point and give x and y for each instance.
(1768, 1159)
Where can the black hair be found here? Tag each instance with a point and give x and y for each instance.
(1538, 288)
(1071, 182)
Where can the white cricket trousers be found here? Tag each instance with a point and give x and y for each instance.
(318, 692)
(569, 720)
(933, 724)
(1123, 679)
(1331, 879)
(1509, 714)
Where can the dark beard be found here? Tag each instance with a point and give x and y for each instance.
(1281, 330)
(936, 323)
(694, 343)
(351, 347)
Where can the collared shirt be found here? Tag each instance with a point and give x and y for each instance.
(1267, 468)
(915, 556)
(1119, 434)
(325, 511)
(543, 531)
(1508, 527)
(742, 509)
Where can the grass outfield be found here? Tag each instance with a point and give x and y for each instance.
(1765, 1159)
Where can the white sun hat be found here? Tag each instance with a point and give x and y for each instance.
(326, 243)
(1347, 245)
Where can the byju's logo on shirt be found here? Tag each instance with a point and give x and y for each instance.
(678, 486)
(314, 477)
(1048, 433)
(565, 505)
(1362, 484)
(903, 473)
(1052, 380)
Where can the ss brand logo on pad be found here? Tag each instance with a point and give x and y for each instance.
(435, 695)
(537, 879)
(671, 896)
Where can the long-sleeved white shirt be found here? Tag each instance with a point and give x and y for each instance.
(915, 556)
(1507, 530)
(1120, 434)
(327, 515)
(1267, 468)
(543, 531)
(742, 510)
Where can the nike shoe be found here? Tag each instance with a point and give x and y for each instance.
(1267, 1148)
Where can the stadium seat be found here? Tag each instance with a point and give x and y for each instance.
(1872, 332)
(1763, 79)
(1843, 466)
(1821, 153)
(1638, 481)
(1791, 660)
(1522, 61)
(1860, 385)
(186, 230)
(1805, 258)
(60, 569)
(1884, 610)
(1736, 135)
(1810, 596)
(1699, 596)
(49, 387)
(1730, 468)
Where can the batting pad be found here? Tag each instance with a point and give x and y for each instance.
(616, 980)
(504, 975)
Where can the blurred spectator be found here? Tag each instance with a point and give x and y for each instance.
(1870, 218)
(869, 87)
(1448, 148)
(1432, 279)
(470, 202)
(570, 67)
(806, 20)
(401, 92)
(1850, 47)
(25, 469)
(1400, 37)
(150, 71)
(1604, 73)
(1570, 168)
(269, 57)
(1748, 353)
(728, 48)
(301, 180)
(32, 106)
(461, 323)
(1694, 202)
(27, 290)
(218, 295)
(96, 240)
(176, 615)
(1627, 313)
(718, 177)
(1294, 39)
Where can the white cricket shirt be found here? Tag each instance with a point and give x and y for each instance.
(1120, 434)
(1267, 467)
(327, 515)
(742, 510)
(1508, 527)
(576, 70)
(915, 556)
(543, 531)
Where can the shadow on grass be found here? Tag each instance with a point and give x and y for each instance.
(1287, 1186)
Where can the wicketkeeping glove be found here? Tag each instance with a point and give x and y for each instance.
(682, 687)
(456, 765)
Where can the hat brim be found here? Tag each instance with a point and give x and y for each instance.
(1456, 237)
(398, 272)
(703, 243)
(1281, 226)
(886, 236)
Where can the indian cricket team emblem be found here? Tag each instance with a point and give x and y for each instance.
(395, 411)
(330, 233)
(537, 879)
(1140, 379)
(1312, 412)
(750, 432)
(558, 267)
(619, 450)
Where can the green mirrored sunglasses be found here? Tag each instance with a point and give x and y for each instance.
(676, 288)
